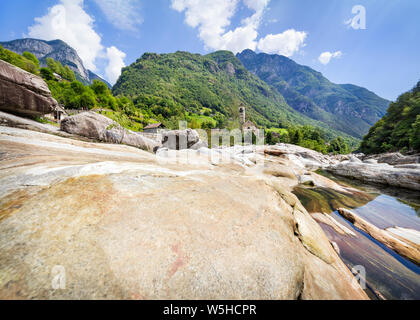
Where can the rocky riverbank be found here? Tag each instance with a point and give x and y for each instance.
(135, 218)
(124, 225)
(392, 169)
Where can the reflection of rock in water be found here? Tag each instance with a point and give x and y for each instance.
(383, 271)
(406, 196)
(397, 241)
(387, 273)
(327, 200)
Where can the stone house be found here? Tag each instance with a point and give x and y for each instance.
(153, 128)
(58, 114)
(249, 126)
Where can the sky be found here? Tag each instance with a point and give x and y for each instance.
(371, 43)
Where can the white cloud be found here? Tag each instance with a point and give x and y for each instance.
(116, 63)
(240, 39)
(287, 43)
(123, 14)
(69, 22)
(212, 18)
(326, 57)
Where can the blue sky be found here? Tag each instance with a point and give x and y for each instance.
(108, 34)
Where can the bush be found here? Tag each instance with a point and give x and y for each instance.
(47, 74)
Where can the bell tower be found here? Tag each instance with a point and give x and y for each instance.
(242, 114)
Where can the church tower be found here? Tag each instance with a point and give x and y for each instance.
(242, 114)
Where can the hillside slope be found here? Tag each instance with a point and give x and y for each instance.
(399, 130)
(217, 81)
(343, 107)
(57, 50)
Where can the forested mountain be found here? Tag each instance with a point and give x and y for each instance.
(217, 82)
(399, 130)
(197, 103)
(57, 50)
(349, 108)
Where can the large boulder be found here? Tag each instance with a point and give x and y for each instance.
(395, 158)
(99, 127)
(180, 139)
(301, 156)
(24, 93)
(398, 176)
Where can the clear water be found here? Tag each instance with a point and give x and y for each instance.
(393, 276)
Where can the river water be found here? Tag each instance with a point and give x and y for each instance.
(388, 275)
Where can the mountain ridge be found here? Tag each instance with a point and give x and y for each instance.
(217, 81)
(57, 50)
(345, 107)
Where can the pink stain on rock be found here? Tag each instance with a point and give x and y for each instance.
(181, 260)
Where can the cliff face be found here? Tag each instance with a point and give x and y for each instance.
(57, 50)
(24, 93)
(124, 224)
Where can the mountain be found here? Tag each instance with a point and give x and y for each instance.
(57, 50)
(217, 81)
(349, 108)
(399, 129)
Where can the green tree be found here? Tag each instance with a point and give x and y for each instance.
(47, 74)
(397, 130)
(18, 61)
(415, 132)
(339, 146)
(31, 57)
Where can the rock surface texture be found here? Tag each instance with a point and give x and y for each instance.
(122, 224)
(180, 139)
(403, 176)
(395, 158)
(405, 173)
(24, 93)
(95, 126)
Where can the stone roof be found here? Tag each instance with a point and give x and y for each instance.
(153, 126)
(249, 124)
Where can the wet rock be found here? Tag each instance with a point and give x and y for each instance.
(333, 223)
(24, 93)
(407, 234)
(335, 246)
(404, 247)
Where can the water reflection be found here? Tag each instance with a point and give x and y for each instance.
(391, 275)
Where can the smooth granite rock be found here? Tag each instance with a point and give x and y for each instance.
(180, 139)
(379, 173)
(96, 126)
(24, 93)
(122, 225)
